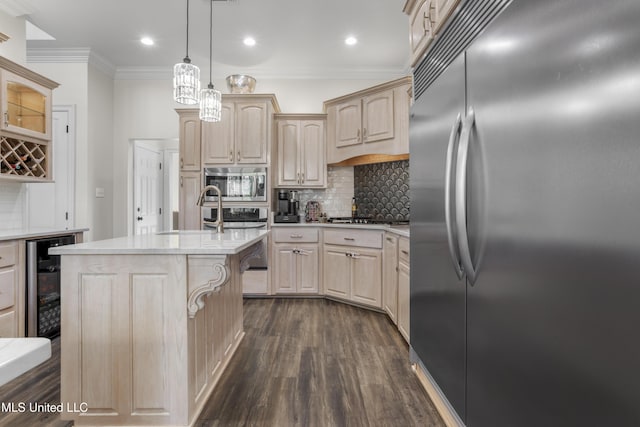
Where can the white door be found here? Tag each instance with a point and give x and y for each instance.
(148, 190)
(50, 205)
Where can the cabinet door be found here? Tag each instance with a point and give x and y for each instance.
(377, 116)
(403, 300)
(366, 277)
(349, 123)
(189, 214)
(307, 268)
(336, 272)
(252, 132)
(288, 153)
(421, 29)
(26, 107)
(218, 138)
(284, 269)
(390, 277)
(313, 163)
(190, 142)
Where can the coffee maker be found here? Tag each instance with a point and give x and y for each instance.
(288, 206)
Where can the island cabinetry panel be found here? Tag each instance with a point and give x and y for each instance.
(390, 276)
(131, 350)
(25, 124)
(301, 150)
(10, 287)
(296, 261)
(352, 261)
(371, 121)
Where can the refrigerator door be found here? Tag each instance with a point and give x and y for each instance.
(553, 215)
(437, 310)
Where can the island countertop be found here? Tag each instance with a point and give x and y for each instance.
(185, 242)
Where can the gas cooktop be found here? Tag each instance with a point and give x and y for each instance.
(365, 220)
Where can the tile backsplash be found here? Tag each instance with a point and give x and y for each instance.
(335, 200)
(382, 190)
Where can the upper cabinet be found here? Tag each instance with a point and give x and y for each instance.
(243, 136)
(371, 121)
(301, 151)
(190, 135)
(426, 20)
(25, 125)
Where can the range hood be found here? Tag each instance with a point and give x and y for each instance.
(368, 159)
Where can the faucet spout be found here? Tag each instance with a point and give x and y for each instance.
(219, 223)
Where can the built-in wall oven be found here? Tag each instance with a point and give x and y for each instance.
(43, 286)
(238, 218)
(237, 184)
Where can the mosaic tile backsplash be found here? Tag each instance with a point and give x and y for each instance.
(382, 190)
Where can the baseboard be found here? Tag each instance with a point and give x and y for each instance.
(447, 414)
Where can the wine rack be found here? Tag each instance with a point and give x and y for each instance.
(23, 160)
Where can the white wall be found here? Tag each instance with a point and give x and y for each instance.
(14, 49)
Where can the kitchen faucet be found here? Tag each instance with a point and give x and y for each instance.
(219, 223)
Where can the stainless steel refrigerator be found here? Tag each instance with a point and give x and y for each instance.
(525, 219)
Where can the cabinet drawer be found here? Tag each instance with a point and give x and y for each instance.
(295, 235)
(8, 325)
(7, 288)
(403, 250)
(351, 237)
(7, 254)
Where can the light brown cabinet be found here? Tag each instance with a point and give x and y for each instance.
(372, 121)
(296, 261)
(25, 125)
(11, 314)
(352, 261)
(390, 276)
(426, 20)
(404, 274)
(301, 151)
(190, 135)
(189, 216)
(218, 138)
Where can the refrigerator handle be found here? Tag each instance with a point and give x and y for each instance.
(461, 197)
(454, 250)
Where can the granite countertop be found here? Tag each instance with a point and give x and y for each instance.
(171, 242)
(401, 230)
(36, 233)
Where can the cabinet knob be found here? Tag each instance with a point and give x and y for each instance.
(139, 218)
(231, 155)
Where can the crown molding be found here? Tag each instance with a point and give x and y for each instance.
(80, 55)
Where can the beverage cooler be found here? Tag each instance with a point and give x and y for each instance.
(43, 287)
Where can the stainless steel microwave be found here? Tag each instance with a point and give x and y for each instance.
(237, 184)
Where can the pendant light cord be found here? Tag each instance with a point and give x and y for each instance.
(211, 45)
(186, 58)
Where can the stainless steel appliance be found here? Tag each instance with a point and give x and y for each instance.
(525, 242)
(43, 286)
(237, 184)
(239, 218)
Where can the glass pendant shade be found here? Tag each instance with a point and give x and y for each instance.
(186, 83)
(210, 104)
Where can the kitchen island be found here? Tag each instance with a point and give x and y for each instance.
(149, 323)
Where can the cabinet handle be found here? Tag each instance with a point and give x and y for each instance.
(405, 252)
(181, 182)
(389, 239)
(355, 255)
(6, 118)
(302, 179)
(238, 158)
(347, 254)
(351, 239)
(364, 133)
(358, 138)
(296, 236)
(303, 252)
(231, 155)
(181, 163)
(298, 177)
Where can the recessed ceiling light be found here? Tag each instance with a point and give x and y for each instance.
(147, 41)
(350, 41)
(249, 41)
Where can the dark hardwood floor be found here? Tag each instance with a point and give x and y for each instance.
(303, 362)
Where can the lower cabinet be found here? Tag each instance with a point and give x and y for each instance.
(10, 303)
(403, 287)
(296, 261)
(353, 272)
(390, 276)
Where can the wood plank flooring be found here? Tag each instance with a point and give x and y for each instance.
(303, 362)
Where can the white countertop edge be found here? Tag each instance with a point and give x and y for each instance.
(402, 230)
(191, 242)
(36, 233)
(18, 355)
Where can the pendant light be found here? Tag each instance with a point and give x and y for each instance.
(186, 77)
(210, 99)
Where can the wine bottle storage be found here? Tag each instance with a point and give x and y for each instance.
(23, 159)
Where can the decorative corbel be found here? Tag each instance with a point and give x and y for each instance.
(199, 267)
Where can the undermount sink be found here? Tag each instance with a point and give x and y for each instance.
(168, 233)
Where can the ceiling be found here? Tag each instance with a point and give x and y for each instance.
(295, 38)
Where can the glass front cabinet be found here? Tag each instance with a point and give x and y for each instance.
(25, 124)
